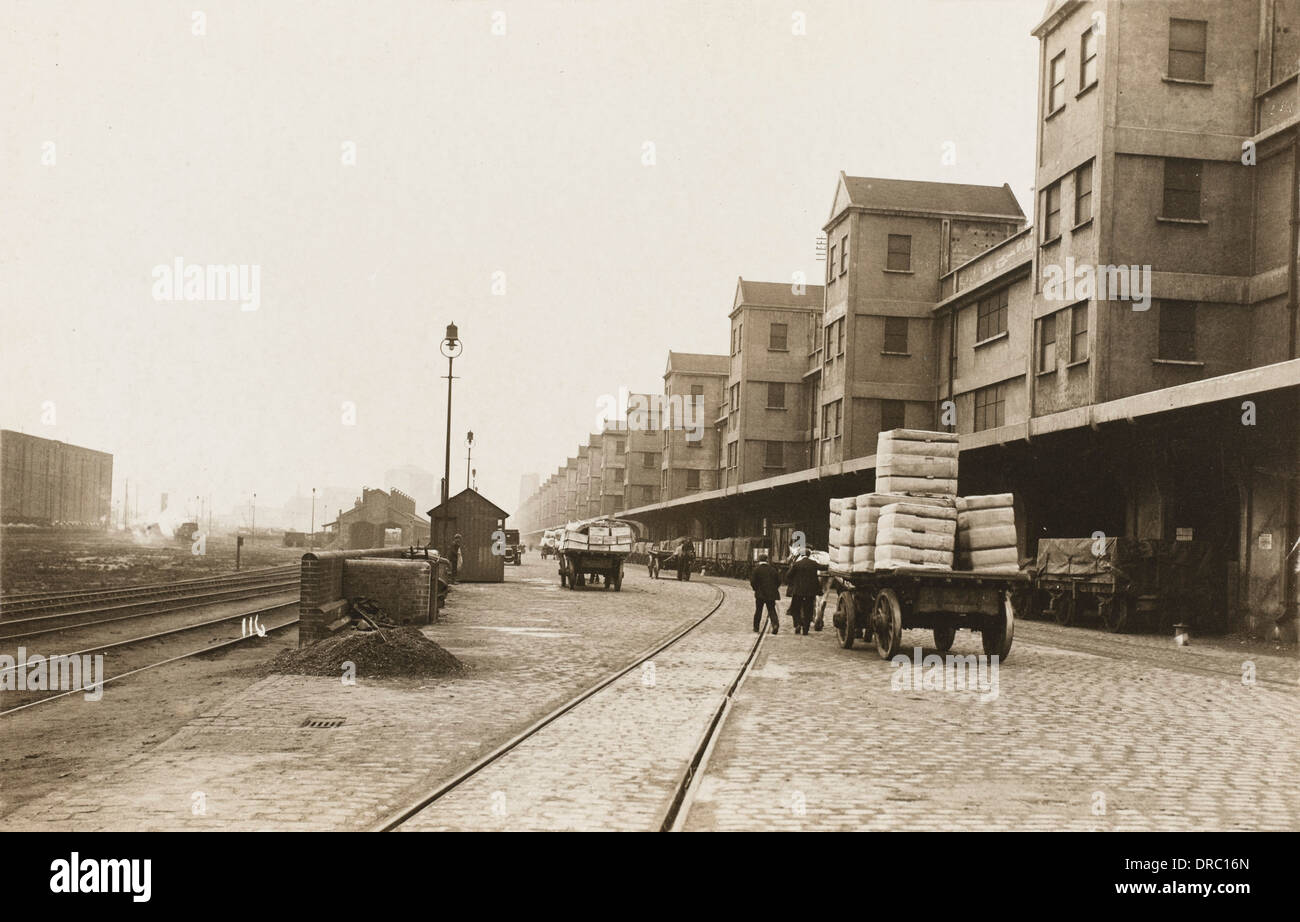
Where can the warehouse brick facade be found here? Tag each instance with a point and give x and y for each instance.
(1165, 407)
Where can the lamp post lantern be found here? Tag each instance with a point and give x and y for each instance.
(451, 347)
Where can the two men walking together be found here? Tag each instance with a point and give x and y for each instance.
(804, 586)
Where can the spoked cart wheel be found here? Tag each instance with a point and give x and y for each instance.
(944, 636)
(1064, 610)
(887, 622)
(998, 630)
(845, 627)
(1115, 611)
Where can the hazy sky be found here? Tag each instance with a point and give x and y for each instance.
(476, 153)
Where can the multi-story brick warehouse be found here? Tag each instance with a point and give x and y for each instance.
(46, 481)
(1165, 404)
(767, 422)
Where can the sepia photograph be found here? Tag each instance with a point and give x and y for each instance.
(650, 416)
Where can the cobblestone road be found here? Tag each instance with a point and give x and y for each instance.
(615, 761)
(249, 764)
(1145, 737)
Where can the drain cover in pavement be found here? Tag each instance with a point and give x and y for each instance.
(323, 723)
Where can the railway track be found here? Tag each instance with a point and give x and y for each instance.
(26, 603)
(21, 629)
(686, 784)
(164, 635)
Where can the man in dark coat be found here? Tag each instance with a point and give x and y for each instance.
(804, 586)
(766, 580)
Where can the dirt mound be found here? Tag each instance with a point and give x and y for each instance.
(399, 652)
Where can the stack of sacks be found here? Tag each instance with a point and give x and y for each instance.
(986, 533)
(869, 506)
(843, 516)
(916, 461)
(911, 534)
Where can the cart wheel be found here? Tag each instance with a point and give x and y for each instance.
(1115, 611)
(845, 621)
(618, 581)
(564, 580)
(944, 636)
(1064, 610)
(887, 621)
(998, 630)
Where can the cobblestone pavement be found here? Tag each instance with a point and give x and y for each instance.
(615, 761)
(248, 763)
(1133, 734)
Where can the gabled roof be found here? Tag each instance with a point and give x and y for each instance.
(932, 197)
(777, 294)
(474, 495)
(697, 363)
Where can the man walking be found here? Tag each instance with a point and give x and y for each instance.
(804, 587)
(766, 582)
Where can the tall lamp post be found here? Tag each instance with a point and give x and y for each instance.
(469, 453)
(253, 529)
(451, 347)
(313, 518)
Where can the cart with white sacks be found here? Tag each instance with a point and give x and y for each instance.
(914, 554)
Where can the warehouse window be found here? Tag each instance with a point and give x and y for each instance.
(892, 414)
(692, 480)
(1187, 49)
(895, 335)
(1178, 331)
(775, 395)
(735, 398)
(777, 336)
(835, 408)
(989, 403)
(1079, 332)
(991, 315)
(1087, 59)
(1052, 212)
(774, 455)
(1083, 194)
(648, 459)
(1047, 343)
(844, 254)
(899, 256)
(1056, 84)
(731, 454)
(830, 266)
(1182, 189)
(839, 337)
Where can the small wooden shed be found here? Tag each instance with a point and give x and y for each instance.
(474, 518)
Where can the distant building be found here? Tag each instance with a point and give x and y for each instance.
(528, 485)
(43, 481)
(375, 512)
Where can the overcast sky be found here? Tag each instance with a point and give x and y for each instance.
(475, 153)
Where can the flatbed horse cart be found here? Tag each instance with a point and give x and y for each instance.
(660, 559)
(593, 552)
(881, 604)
